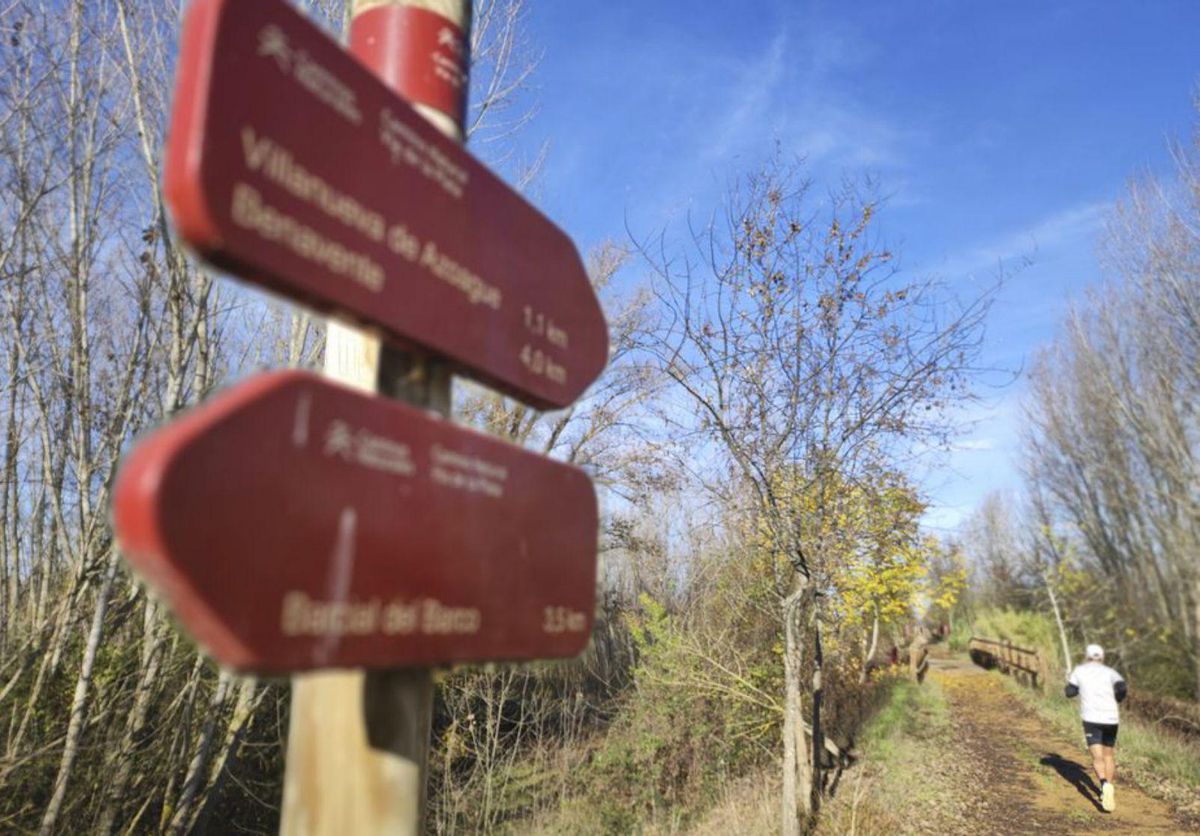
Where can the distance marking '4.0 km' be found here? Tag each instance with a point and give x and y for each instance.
(293, 524)
(291, 165)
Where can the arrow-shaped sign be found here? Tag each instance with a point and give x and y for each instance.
(292, 166)
(293, 524)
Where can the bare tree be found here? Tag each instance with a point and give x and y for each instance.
(1114, 428)
(804, 354)
(111, 328)
(992, 538)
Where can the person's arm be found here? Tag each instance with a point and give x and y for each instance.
(1072, 689)
(1120, 690)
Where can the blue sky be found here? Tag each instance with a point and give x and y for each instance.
(1001, 131)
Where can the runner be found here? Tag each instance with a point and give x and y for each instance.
(1099, 689)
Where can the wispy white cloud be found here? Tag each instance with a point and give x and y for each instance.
(798, 89)
(684, 115)
(749, 102)
(1071, 226)
(985, 460)
(1056, 249)
(841, 134)
(974, 445)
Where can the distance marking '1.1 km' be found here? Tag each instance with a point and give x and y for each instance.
(293, 524)
(291, 165)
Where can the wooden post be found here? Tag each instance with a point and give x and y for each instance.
(918, 652)
(359, 741)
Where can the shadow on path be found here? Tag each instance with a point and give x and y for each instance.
(1076, 775)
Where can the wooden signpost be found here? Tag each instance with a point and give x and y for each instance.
(297, 526)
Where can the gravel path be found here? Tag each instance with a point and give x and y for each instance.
(1013, 774)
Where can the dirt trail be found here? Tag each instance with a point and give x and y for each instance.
(1030, 779)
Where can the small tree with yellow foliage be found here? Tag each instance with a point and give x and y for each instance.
(885, 567)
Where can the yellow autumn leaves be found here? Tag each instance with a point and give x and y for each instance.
(863, 543)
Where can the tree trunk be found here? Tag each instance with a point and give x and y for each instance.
(1196, 634)
(818, 733)
(123, 760)
(249, 697)
(862, 676)
(10, 532)
(197, 767)
(57, 636)
(80, 701)
(797, 769)
(1062, 630)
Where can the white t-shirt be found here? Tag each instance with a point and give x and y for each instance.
(1097, 700)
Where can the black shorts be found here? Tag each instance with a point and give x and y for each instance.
(1100, 734)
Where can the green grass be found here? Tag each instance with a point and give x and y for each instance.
(960, 636)
(910, 732)
(911, 712)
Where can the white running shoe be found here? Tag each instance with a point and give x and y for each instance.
(1107, 800)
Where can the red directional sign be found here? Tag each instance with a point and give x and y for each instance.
(292, 165)
(294, 524)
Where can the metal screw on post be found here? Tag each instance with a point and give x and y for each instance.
(358, 742)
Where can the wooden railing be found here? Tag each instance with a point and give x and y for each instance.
(1022, 663)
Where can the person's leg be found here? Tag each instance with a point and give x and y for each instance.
(1107, 793)
(1098, 762)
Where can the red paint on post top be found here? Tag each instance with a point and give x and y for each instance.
(293, 166)
(294, 524)
(420, 54)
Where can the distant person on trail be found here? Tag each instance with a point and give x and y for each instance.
(1099, 689)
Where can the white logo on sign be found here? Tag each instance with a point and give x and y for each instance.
(316, 79)
(450, 39)
(339, 441)
(369, 450)
(272, 43)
